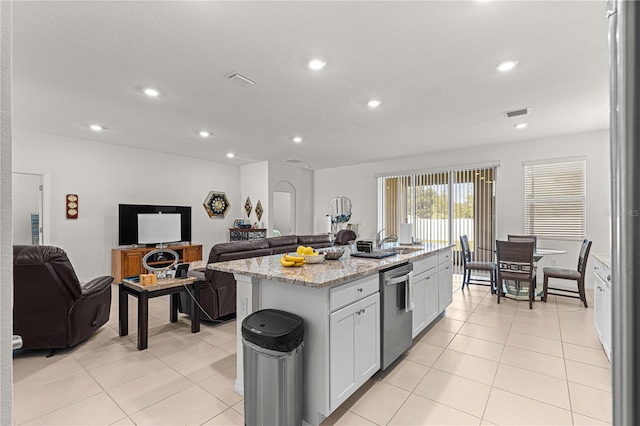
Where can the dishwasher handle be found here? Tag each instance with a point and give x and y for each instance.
(398, 280)
(408, 304)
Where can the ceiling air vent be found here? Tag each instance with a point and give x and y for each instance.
(516, 112)
(293, 161)
(240, 79)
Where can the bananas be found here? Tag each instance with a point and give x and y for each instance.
(288, 260)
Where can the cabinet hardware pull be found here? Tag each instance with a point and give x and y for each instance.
(359, 290)
(608, 277)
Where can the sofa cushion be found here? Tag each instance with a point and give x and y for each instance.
(285, 240)
(244, 254)
(285, 249)
(236, 246)
(314, 240)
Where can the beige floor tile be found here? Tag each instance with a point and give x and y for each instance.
(493, 309)
(343, 417)
(126, 421)
(467, 366)
(492, 334)
(589, 375)
(146, 390)
(591, 402)
(581, 339)
(535, 344)
(215, 336)
(46, 399)
(540, 387)
(462, 305)
(454, 391)
(506, 408)
(178, 350)
(33, 372)
(229, 347)
(422, 411)
(534, 328)
(205, 364)
(95, 410)
(580, 326)
(170, 411)
(457, 314)
(125, 370)
(490, 321)
(534, 361)
(380, 403)
(239, 407)
(222, 386)
(228, 417)
(580, 420)
(486, 423)
(586, 355)
(481, 348)
(405, 375)
(116, 352)
(424, 353)
(447, 324)
(437, 337)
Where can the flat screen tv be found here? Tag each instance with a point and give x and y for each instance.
(128, 222)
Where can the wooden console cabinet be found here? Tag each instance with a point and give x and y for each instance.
(128, 262)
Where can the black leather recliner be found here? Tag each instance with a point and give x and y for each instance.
(51, 308)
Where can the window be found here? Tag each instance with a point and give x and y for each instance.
(555, 198)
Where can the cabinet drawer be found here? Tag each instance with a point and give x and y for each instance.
(352, 292)
(444, 256)
(602, 271)
(425, 264)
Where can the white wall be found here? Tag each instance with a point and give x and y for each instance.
(360, 185)
(27, 185)
(254, 183)
(105, 175)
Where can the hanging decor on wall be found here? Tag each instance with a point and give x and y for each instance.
(72, 206)
(259, 210)
(340, 212)
(216, 204)
(248, 206)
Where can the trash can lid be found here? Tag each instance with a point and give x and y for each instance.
(273, 329)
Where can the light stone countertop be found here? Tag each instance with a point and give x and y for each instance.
(325, 274)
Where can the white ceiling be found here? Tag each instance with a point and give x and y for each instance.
(431, 63)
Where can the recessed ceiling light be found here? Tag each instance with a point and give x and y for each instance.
(96, 127)
(317, 64)
(150, 91)
(521, 125)
(230, 154)
(204, 133)
(297, 139)
(506, 65)
(374, 103)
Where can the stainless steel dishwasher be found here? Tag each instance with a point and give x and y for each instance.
(396, 321)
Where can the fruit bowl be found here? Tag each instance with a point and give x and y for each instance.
(313, 258)
(334, 253)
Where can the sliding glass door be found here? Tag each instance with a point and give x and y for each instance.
(442, 206)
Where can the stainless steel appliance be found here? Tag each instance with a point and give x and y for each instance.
(396, 316)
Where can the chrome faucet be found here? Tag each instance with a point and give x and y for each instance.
(388, 239)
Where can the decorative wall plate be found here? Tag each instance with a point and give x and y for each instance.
(248, 206)
(72, 206)
(216, 204)
(259, 210)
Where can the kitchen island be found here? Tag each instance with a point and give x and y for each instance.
(339, 301)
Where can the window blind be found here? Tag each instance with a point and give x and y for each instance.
(555, 198)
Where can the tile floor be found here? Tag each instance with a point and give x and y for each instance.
(480, 364)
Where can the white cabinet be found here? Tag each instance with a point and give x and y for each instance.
(354, 347)
(425, 298)
(445, 277)
(602, 304)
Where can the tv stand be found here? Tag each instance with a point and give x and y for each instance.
(127, 262)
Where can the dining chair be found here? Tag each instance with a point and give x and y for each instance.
(470, 266)
(576, 275)
(515, 263)
(524, 238)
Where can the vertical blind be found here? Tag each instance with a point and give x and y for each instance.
(555, 199)
(442, 206)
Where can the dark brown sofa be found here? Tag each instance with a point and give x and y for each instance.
(218, 289)
(51, 308)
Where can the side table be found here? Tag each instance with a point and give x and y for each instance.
(167, 286)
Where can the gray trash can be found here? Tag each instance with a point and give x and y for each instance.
(272, 342)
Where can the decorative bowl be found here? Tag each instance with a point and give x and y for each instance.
(334, 253)
(313, 258)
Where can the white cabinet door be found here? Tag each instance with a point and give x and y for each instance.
(606, 337)
(418, 315)
(445, 291)
(432, 297)
(354, 351)
(367, 336)
(598, 305)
